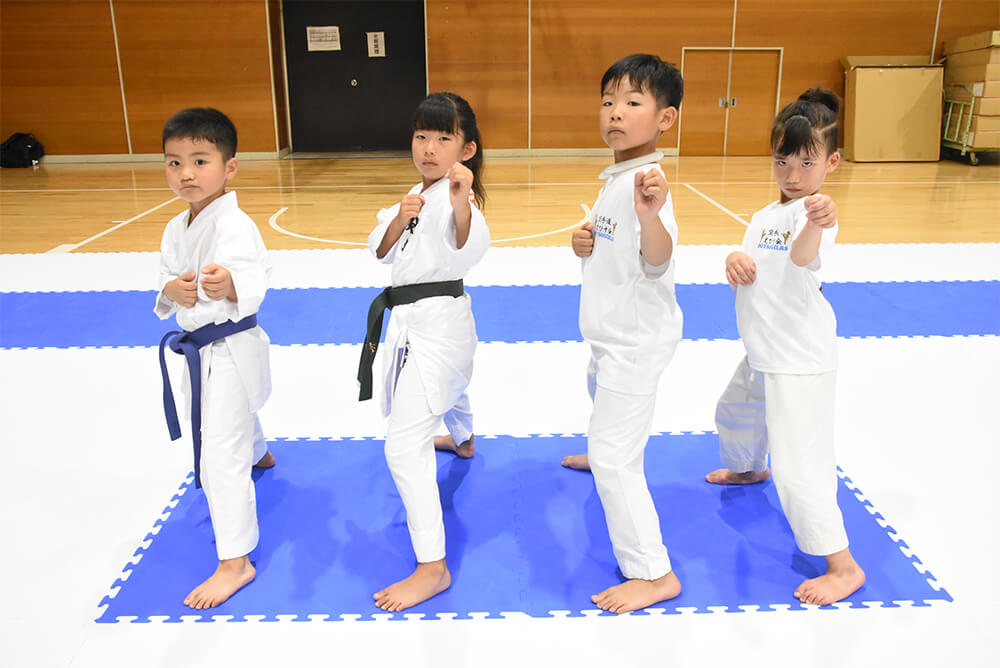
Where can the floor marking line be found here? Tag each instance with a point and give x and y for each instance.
(65, 248)
(273, 222)
(714, 203)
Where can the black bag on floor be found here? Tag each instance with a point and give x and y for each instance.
(21, 150)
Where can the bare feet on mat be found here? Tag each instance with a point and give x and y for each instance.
(447, 443)
(638, 594)
(843, 577)
(265, 462)
(727, 477)
(429, 579)
(577, 462)
(231, 576)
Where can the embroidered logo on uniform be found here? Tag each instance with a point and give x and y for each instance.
(772, 239)
(604, 227)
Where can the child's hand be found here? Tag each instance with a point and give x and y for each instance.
(182, 290)
(409, 208)
(583, 240)
(461, 185)
(821, 211)
(218, 283)
(740, 268)
(650, 194)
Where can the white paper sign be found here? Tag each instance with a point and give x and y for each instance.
(323, 38)
(376, 45)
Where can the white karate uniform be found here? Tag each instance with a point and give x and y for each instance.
(236, 374)
(630, 317)
(427, 357)
(781, 397)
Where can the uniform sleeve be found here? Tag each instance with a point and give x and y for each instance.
(241, 250)
(383, 218)
(826, 240)
(652, 271)
(475, 246)
(166, 307)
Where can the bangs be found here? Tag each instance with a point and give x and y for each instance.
(792, 143)
(437, 114)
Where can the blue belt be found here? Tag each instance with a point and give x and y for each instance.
(189, 344)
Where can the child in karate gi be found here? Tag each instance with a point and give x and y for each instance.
(780, 399)
(630, 317)
(213, 276)
(432, 237)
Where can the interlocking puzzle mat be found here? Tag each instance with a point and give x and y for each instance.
(503, 313)
(523, 534)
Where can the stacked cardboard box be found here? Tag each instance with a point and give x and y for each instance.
(974, 61)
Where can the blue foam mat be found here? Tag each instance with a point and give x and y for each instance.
(522, 313)
(523, 534)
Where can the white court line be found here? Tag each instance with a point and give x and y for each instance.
(273, 222)
(714, 203)
(364, 186)
(65, 248)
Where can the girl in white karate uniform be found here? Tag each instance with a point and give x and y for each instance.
(432, 237)
(780, 399)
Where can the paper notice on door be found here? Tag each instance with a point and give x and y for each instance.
(323, 38)
(376, 45)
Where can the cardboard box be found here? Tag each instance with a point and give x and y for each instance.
(985, 124)
(984, 140)
(978, 57)
(892, 108)
(978, 88)
(982, 40)
(972, 73)
(987, 106)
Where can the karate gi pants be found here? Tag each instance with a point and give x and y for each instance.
(790, 417)
(409, 452)
(232, 441)
(616, 442)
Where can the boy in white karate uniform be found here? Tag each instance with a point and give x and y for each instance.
(630, 317)
(213, 275)
(781, 397)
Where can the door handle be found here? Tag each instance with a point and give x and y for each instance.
(723, 102)
(732, 102)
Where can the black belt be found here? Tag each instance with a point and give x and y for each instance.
(388, 298)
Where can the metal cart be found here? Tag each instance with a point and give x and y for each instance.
(956, 120)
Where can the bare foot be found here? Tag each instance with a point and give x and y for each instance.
(727, 477)
(577, 462)
(429, 579)
(637, 594)
(265, 462)
(231, 576)
(447, 443)
(843, 577)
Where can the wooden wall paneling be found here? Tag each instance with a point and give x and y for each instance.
(479, 50)
(755, 88)
(703, 121)
(965, 17)
(278, 72)
(816, 34)
(187, 53)
(575, 41)
(59, 76)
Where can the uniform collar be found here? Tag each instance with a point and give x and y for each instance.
(217, 206)
(620, 167)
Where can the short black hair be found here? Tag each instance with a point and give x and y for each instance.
(809, 123)
(663, 80)
(203, 123)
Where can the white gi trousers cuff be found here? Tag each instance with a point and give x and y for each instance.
(792, 418)
(619, 430)
(231, 437)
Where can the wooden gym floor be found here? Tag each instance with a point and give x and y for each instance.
(331, 203)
